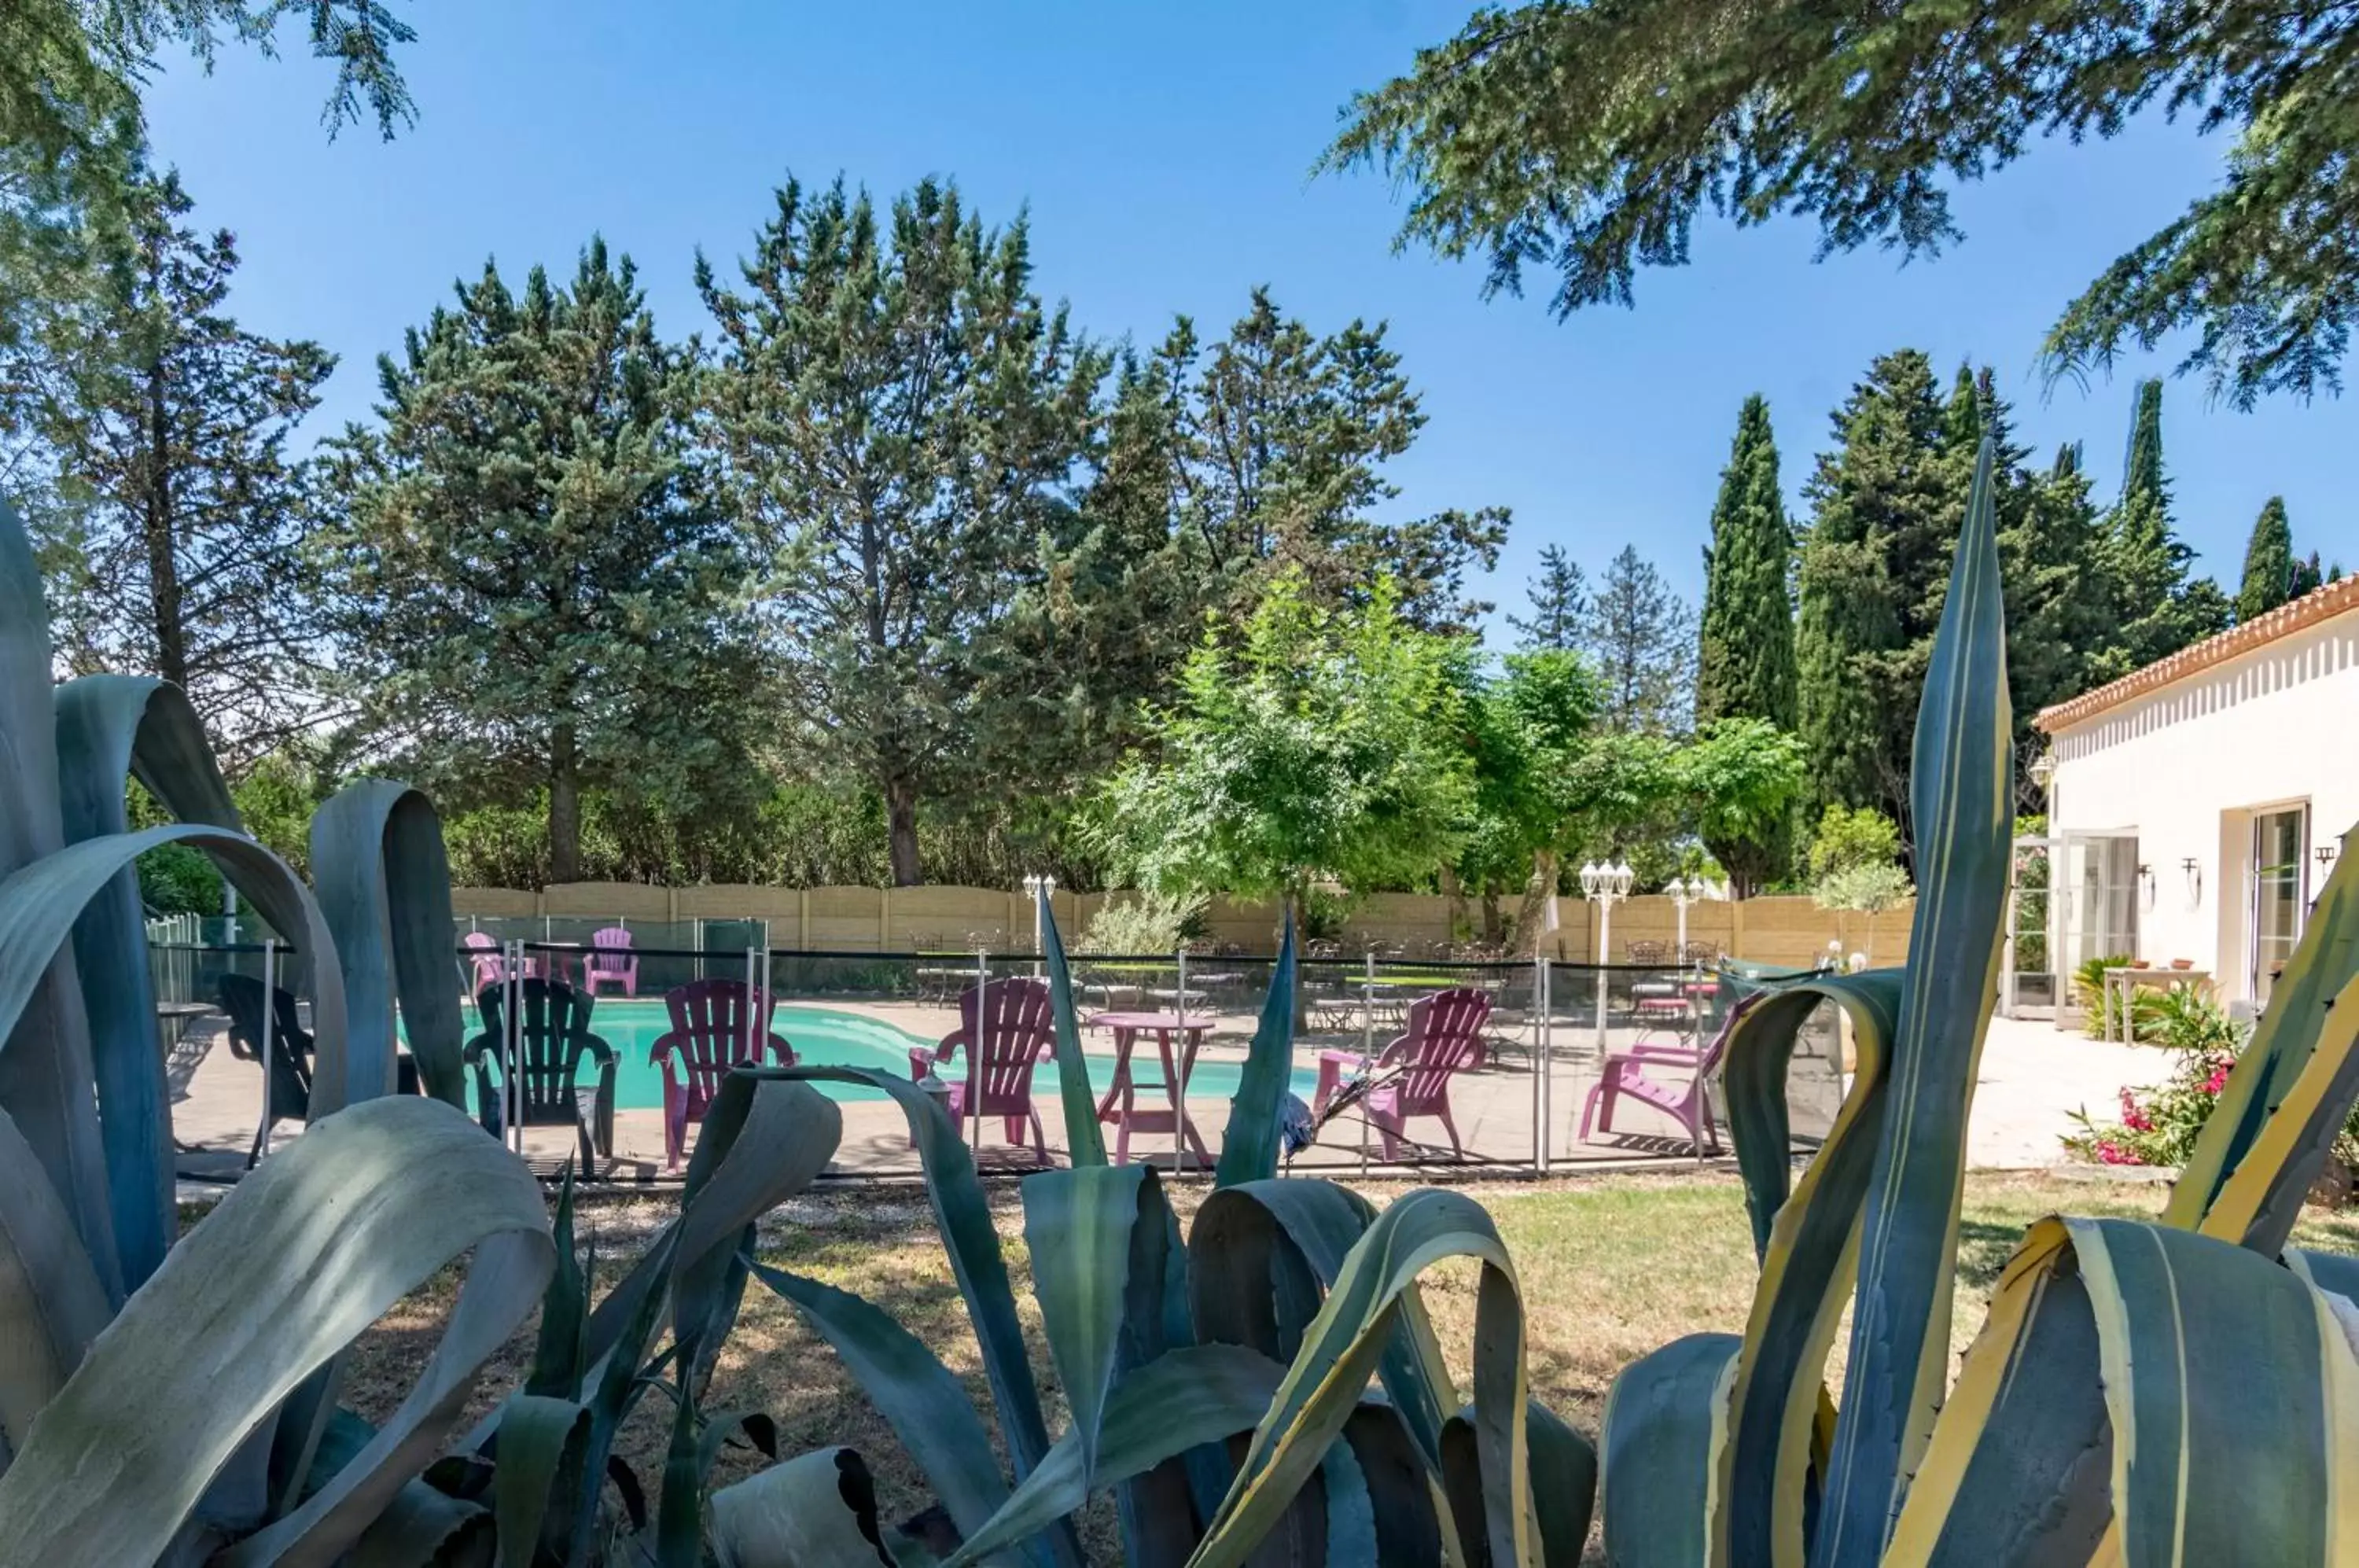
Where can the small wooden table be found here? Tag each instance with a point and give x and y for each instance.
(2128, 978)
(1120, 1104)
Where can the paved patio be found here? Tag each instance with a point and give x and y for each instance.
(2033, 1077)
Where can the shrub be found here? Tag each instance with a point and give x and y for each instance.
(1846, 837)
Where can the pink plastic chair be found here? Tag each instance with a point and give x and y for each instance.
(1411, 1076)
(1019, 1030)
(484, 953)
(611, 962)
(1671, 1078)
(711, 1023)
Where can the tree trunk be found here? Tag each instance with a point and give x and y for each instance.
(564, 806)
(156, 524)
(1493, 928)
(1289, 916)
(1533, 916)
(901, 826)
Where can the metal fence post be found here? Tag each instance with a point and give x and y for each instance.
(975, 1056)
(1542, 1069)
(1367, 1044)
(1178, 1064)
(269, 1026)
(511, 1045)
(753, 1002)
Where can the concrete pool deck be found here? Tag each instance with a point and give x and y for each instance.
(2033, 1077)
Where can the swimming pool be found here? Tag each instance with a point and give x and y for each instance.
(835, 1038)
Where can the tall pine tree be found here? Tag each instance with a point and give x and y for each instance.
(2157, 609)
(1745, 664)
(530, 574)
(175, 547)
(1641, 638)
(2268, 563)
(1559, 600)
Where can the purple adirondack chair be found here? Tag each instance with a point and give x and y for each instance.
(1671, 1078)
(1410, 1077)
(712, 1032)
(611, 962)
(483, 955)
(1018, 1030)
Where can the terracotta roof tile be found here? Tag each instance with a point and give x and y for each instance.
(2319, 605)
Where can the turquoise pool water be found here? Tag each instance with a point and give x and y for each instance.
(836, 1037)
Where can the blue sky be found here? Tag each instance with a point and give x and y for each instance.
(1164, 153)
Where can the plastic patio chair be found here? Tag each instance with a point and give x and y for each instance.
(553, 1039)
(484, 955)
(291, 1051)
(1673, 1079)
(1016, 1031)
(611, 962)
(713, 1033)
(1410, 1077)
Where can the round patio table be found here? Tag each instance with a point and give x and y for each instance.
(1120, 1104)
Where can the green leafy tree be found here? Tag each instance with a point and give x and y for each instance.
(2159, 609)
(1740, 780)
(1641, 639)
(1589, 138)
(2057, 613)
(1529, 722)
(900, 416)
(2308, 575)
(529, 576)
(2268, 563)
(1848, 837)
(1279, 440)
(1327, 744)
(1559, 604)
(165, 427)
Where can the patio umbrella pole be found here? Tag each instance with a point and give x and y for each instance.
(1367, 1044)
(1179, 1010)
(1540, 1064)
(1546, 1045)
(754, 1001)
(269, 1017)
(511, 1045)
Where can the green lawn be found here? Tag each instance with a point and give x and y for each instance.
(1611, 1268)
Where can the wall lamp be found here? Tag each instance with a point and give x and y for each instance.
(2194, 871)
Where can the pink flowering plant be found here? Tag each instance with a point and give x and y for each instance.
(2158, 1125)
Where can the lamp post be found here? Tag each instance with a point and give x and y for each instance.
(1683, 892)
(1605, 885)
(1040, 889)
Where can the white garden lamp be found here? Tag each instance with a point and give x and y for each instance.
(1605, 885)
(1039, 889)
(1683, 892)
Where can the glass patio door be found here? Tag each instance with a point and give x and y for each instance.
(2094, 900)
(2280, 858)
(2029, 987)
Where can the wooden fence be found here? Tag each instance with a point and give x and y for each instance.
(1782, 931)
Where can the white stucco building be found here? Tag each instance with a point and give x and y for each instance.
(2196, 805)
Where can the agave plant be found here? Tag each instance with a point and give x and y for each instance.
(1290, 1321)
(2181, 1392)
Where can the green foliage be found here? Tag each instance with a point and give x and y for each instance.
(1589, 139)
(1845, 838)
(1147, 923)
(1746, 669)
(2268, 563)
(529, 576)
(175, 879)
(2158, 610)
(1327, 746)
(1641, 641)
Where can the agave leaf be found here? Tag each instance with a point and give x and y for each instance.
(560, 1356)
(2231, 1392)
(1262, 1254)
(1564, 1484)
(2332, 1271)
(679, 1505)
(122, 1455)
(1808, 1243)
(1662, 1425)
(927, 1407)
(110, 727)
(421, 1528)
(539, 1436)
(963, 1216)
(1405, 1491)
(616, 1374)
(815, 1511)
(1249, 1147)
(1087, 1230)
(51, 1304)
(1182, 1400)
(1962, 795)
(2257, 1205)
(46, 1071)
(384, 883)
(2323, 964)
(1341, 1349)
(1084, 1139)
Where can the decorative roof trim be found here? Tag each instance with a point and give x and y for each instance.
(2296, 614)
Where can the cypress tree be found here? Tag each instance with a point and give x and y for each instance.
(1642, 641)
(1745, 666)
(2268, 563)
(2308, 576)
(2157, 609)
(1560, 599)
